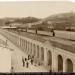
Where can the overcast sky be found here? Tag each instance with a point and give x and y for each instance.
(39, 9)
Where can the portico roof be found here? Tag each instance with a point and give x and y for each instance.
(64, 44)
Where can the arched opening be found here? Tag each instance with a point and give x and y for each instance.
(37, 51)
(49, 57)
(42, 53)
(69, 67)
(60, 63)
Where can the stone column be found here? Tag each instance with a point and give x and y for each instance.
(29, 48)
(64, 64)
(32, 50)
(35, 57)
(39, 54)
(38, 49)
(40, 60)
(45, 57)
(19, 41)
(26, 47)
(74, 66)
(22, 44)
(54, 62)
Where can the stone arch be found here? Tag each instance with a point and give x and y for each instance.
(42, 53)
(69, 65)
(49, 57)
(60, 63)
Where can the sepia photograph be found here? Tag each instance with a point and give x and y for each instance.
(37, 36)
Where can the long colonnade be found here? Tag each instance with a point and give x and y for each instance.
(53, 58)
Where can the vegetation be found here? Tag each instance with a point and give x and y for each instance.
(24, 20)
(63, 21)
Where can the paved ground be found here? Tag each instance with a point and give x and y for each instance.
(16, 60)
(18, 65)
(5, 57)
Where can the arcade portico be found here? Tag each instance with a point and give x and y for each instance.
(57, 56)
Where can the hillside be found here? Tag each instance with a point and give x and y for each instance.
(25, 20)
(60, 21)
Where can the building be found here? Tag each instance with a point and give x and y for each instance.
(54, 54)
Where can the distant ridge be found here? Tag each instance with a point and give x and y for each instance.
(60, 21)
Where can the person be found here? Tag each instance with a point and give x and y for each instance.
(36, 31)
(53, 33)
(50, 69)
(23, 61)
(28, 57)
(12, 69)
(39, 64)
(6, 41)
(31, 61)
(27, 64)
(33, 57)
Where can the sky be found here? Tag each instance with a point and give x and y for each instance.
(39, 9)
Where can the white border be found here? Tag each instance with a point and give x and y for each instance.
(34, 0)
(72, 0)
